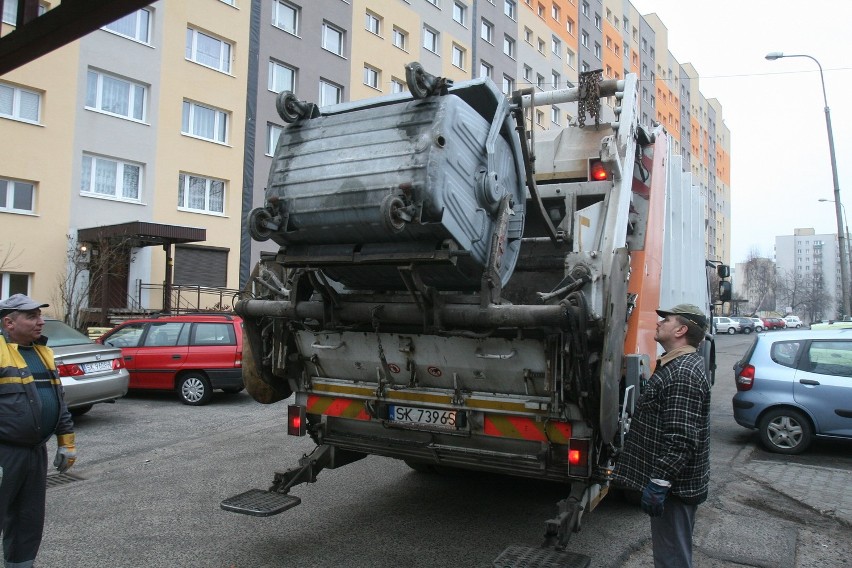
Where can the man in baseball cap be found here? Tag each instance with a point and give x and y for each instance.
(686, 311)
(28, 377)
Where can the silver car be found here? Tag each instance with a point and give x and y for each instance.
(722, 324)
(90, 372)
(795, 387)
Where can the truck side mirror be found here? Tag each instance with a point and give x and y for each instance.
(725, 291)
(723, 270)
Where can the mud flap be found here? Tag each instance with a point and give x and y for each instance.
(517, 556)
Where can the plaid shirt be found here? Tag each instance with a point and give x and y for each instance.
(669, 436)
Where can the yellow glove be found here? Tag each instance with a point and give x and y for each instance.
(66, 452)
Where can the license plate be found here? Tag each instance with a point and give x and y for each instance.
(97, 366)
(422, 416)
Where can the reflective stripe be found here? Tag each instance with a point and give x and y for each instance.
(523, 428)
(342, 407)
(18, 380)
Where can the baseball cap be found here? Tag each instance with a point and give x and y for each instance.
(691, 312)
(20, 302)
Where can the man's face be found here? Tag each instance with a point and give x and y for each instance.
(666, 329)
(24, 327)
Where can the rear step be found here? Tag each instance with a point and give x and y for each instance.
(260, 503)
(526, 557)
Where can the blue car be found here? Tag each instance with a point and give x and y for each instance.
(795, 387)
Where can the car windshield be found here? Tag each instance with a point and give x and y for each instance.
(59, 334)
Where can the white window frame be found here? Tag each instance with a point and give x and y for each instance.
(569, 58)
(459, 55)
(528, 35)
(140, 20)
(508, 85)
(226, 50)
(510, 9)
(220, 122)
(286, 16)
(400, 38)
(584, 39)
(7, 204)
(556, 46)
(585, 8)
(486, 31)
(276, 68)
(6, 288)
(135, 90)
(14, 94)
(329, 31)
(509, 46)
(431, 39)
(373, 23)
(372, 77)
(554, 115)
(397, 86)
(184, 179)
(460, 13)
(598, 21)
(88, 188)
(555, 12)
(569, 26)
(555, 79)
(597, 50)
(486, 69)
(328, 86)
(273, 132)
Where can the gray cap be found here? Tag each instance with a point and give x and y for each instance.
(688, 311)
(20, 302)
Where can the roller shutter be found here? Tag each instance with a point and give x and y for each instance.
(201, 266)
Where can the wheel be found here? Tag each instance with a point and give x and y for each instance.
(80, 410)
(731, 331)
(233, 390)
(785, 431)
(194, 389)
(747, 330)
(758, 329)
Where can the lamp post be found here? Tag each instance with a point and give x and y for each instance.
(841, 238)
(846, 226)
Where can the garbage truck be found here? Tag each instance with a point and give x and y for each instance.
(457, 289)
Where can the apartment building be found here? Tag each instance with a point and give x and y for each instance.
(809, 259)
(154, 135)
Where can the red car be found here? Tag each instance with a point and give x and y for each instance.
(773, 323)
(191, 354)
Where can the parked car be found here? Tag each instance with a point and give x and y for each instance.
(90, 373)
(746, 324)
(192, 354)
(793, 321)
(725, 325)
(795, 387)
(773, 323)
(758, 324)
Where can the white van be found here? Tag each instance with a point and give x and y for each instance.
(793, 321)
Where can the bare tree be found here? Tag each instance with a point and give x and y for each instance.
(8, 256)
(73, 286)
(759, 279)
(804, 295)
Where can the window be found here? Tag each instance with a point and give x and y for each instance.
(569, 25)
(554, 79)
(208, 51)
(201, 194)
(371, 77)
(597, 50)
(19, 104)
(458, 56)
(397, 86)
(281, 77)
(487, 31)
(528, 35)
(104, 177)
(136, 26)
(430, 39)
(626, 24)
(541, 11)
(16, 196)
(204, 122)
(509, 46)
(508, 85)
(116, 96)
(554, 115)
(330, 94)
(527, 73)
(213, 334)
(460, 13)
(164, 334)
(539, 81)
(485, 70)
(555, 12)
(400, 38)
(433, 2)
(10, 13)
(598, 21)
(15, 284)
(510, 8)
(286, 16)
(332, 38)
(556, 46)
(273, 133)
(585, 9)
(539, 117)
(584, 39)
(569, 58)
(541, 46)
(584, 67)
(373, 24)
(644, 45)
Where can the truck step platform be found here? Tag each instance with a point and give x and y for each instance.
(260, 503)
(516, 556)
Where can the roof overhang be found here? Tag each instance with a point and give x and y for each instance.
(142, 234)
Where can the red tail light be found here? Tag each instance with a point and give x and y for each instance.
(296, 423)
(238, 359)
(70, 371)
(118, 364)
(575, 457)
(745, 380)
(578, 457)
(597, 171)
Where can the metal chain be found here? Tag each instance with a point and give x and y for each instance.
(590, 97)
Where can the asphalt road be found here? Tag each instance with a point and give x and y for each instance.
(153, 471)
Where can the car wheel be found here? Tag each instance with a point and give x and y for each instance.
(194, 389)
(785, 431)
(731, 331)
(233, 390)
(758, 329)
(747, 330)
(80, 410)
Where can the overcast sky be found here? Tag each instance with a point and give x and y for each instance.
(780, 164)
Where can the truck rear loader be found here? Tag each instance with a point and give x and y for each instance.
(454, 289)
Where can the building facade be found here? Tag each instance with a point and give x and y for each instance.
(155, 134)
(811, 260)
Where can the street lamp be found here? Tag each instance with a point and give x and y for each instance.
(846, 224)
(841, 238)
